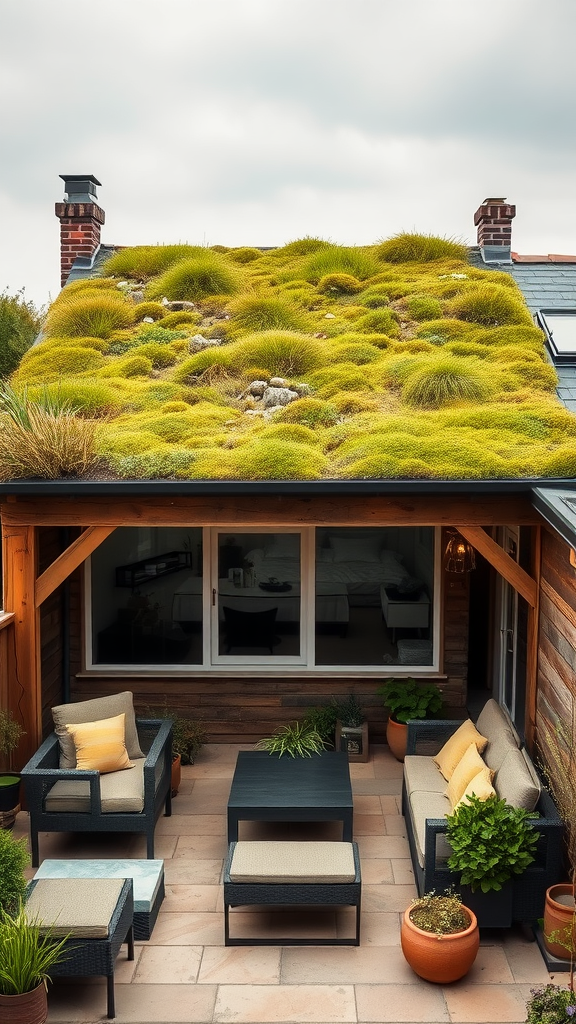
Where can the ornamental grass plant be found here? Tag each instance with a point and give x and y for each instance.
(299, 739)
(420, 248)
(28, 953)
(89, 314)
(207, 273)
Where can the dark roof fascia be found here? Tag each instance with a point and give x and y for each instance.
(551, 503)
(304, 488)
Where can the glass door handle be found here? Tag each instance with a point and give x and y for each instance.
(213, 595)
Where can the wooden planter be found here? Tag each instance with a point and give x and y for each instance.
(176, 774)
(440, 958)
(559, 916)
(27, 1008)
(353, 740)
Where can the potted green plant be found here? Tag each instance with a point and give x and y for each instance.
(440, 937)
(552, 1004)
(407, 699)
(14, 858)
(297, 739)
(28, 954)
(188, 738)
(491, 841)
(351, 732)
(10, 734)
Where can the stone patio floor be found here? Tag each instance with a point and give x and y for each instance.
(185, 974)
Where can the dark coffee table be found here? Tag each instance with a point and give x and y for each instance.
(270, 788)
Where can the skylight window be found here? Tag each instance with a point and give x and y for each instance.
(560, 328)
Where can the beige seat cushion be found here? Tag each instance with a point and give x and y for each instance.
(421, 774)
(81, 907)
(121, 792)
(93, 711)
(494, 723)
(278, 862)
(429, 805)
(515, 784)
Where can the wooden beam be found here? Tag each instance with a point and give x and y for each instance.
(233, 512)
(70, 559)
(532, 628)
(24, 690)
(502, 562)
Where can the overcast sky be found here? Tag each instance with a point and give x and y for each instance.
(254, 122)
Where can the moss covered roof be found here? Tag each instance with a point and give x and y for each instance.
(310, 361)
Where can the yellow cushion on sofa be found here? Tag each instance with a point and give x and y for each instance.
(101, 745)
(468, 766)
(454, 748)
(480, 786)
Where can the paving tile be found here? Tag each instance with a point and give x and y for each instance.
(241, 965)
(204, 847)
(376, 929)
(383, 846)
(192, 825)
(525, 959)
(135, 1004)
(369, 825)
(165, 965)
(490, 967)
(376, 871)
(414, 1003)
(355, 964)
(164, 847)
(196, 898)
(296, 1004)
(402, 872)
(193, 872)
(367, 805)
(188, 929)
(394, 825)
(387, 898)
(479, 1004)
(362, 770)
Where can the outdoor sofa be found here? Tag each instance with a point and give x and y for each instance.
(425, 806)
(62, 798)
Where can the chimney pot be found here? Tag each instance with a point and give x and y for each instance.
(80, 188)
(80, 222)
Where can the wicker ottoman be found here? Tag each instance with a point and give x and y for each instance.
(147, 877)
(96, 914)
(292, 874)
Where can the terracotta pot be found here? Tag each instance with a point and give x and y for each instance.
(559, 916)
(176, 773)
(28, 1008)
(396, 737)
(440, 958)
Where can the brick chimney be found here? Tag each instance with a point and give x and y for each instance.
(80, 221)
(494, 222)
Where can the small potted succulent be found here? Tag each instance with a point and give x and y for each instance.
(440, 937)
(10, 735)
(407, 699)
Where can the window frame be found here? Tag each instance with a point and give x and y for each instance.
(241, 666)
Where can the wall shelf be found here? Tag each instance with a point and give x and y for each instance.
(135, 573)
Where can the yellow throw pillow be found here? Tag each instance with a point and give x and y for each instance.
(101, 745)
(454, 748)
(481, 786)
(468, 766)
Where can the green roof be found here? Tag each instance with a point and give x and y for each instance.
(312, 361)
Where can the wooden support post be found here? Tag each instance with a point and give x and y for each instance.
(20, 559)
(532, 628)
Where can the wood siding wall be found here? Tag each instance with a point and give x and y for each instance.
(556, 694)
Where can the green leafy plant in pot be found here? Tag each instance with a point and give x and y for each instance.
(10, 735)
(28, 954)
(406, 699)
(14, 857)
(188, 738)
(491, 842)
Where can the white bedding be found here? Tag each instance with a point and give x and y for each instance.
(359, 577)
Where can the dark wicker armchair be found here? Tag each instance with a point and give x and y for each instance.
(68, 800)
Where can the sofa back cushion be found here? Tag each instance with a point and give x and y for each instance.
(469, 765)
(494, 723)
(516, 782)
(93, 711)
